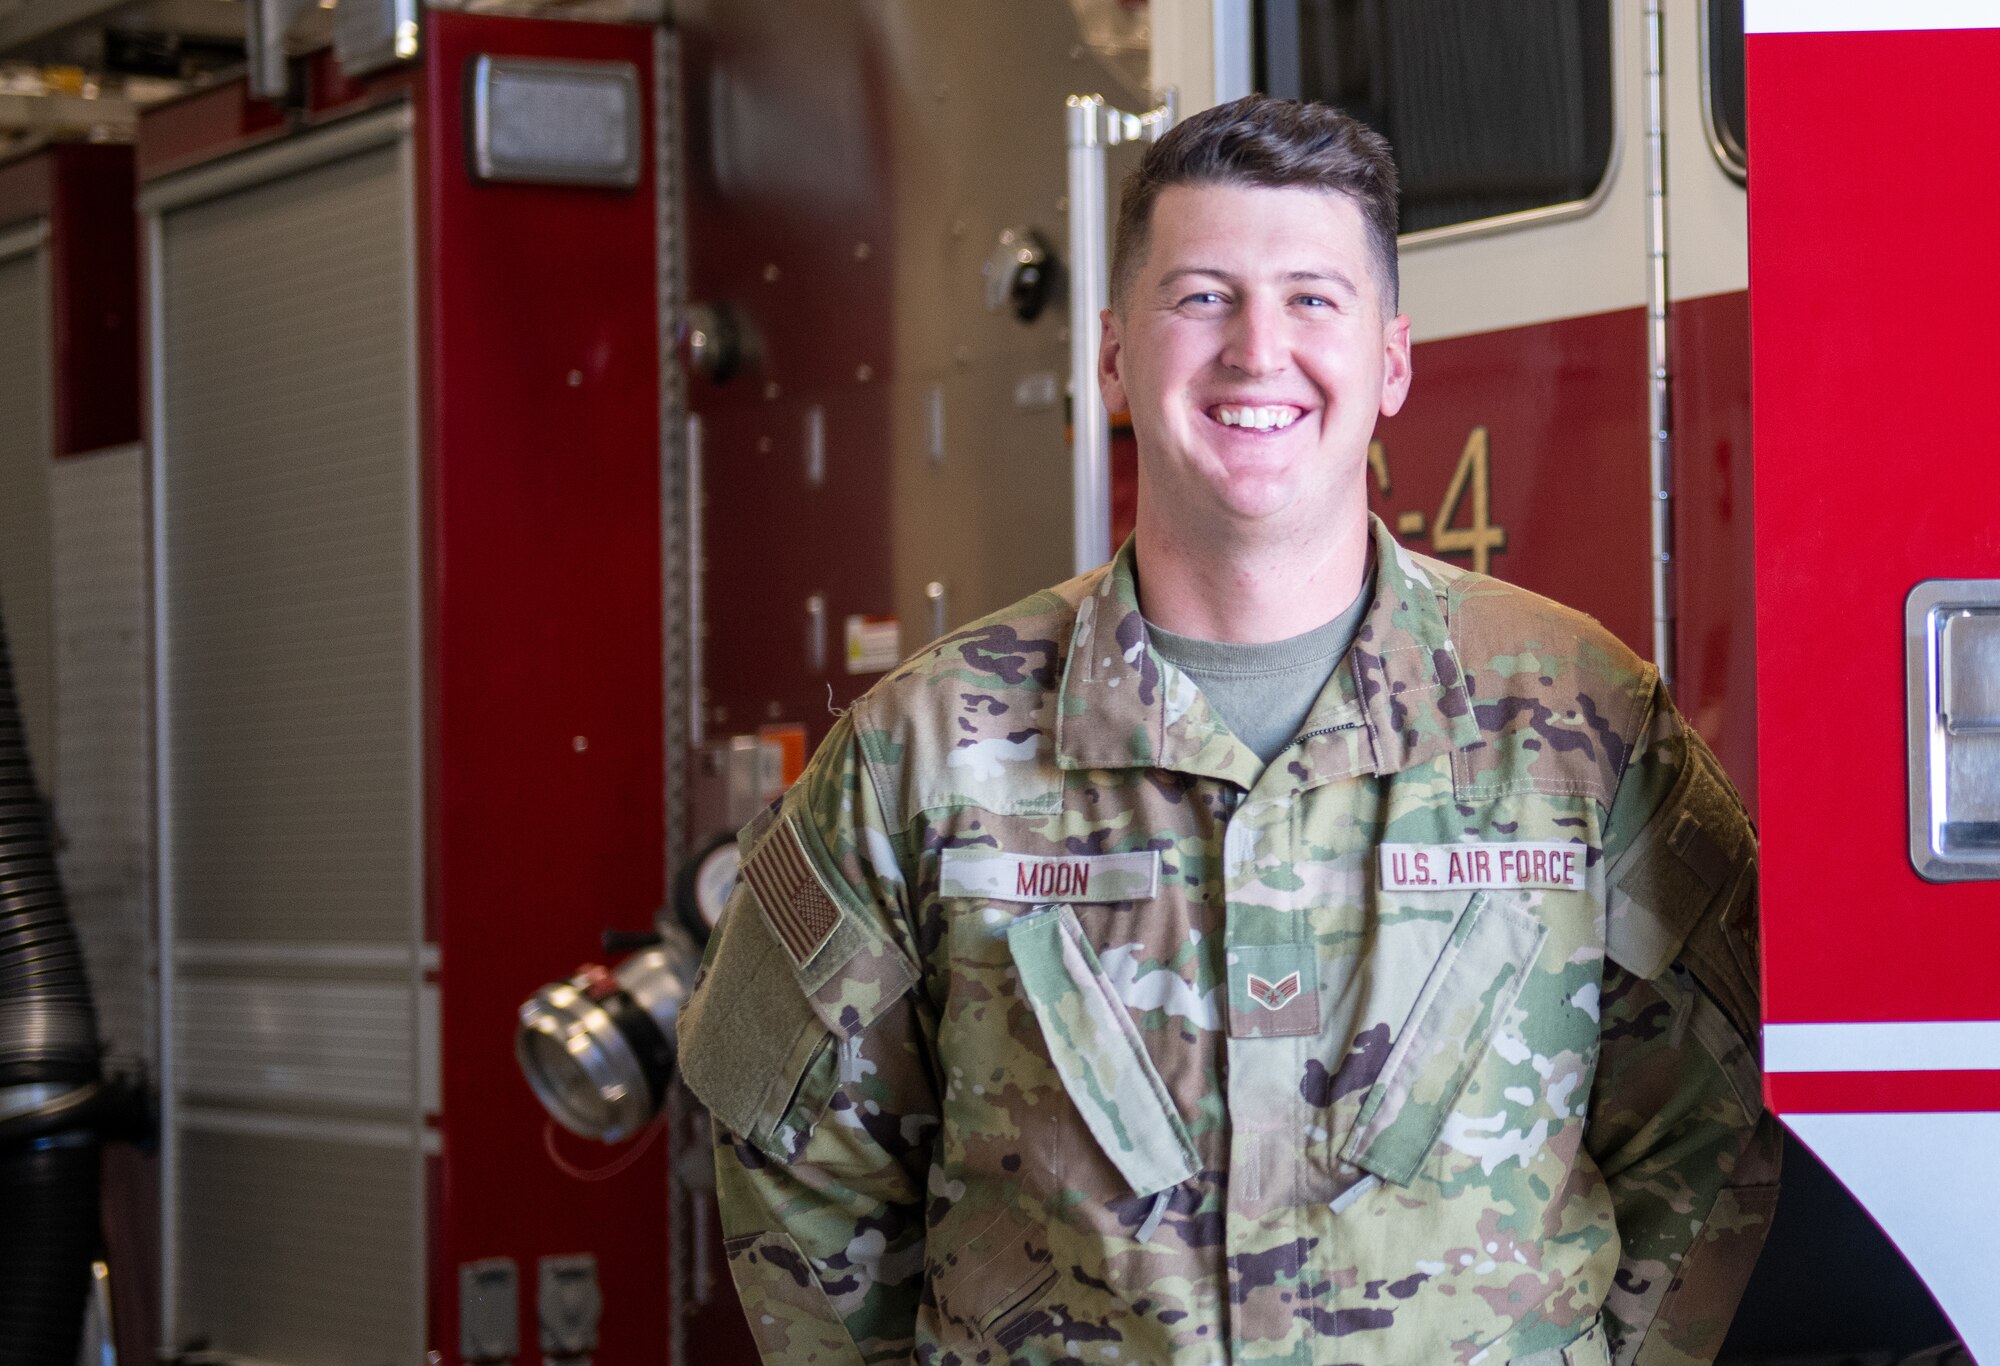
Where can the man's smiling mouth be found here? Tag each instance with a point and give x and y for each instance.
(1260, 418)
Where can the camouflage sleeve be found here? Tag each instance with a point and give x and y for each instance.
(804, 1039)
(1677, 1124)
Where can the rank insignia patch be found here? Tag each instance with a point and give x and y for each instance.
(795, 906)
(1274, 990)
(1273, 995)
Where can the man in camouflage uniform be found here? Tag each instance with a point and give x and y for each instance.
(1052, 1023)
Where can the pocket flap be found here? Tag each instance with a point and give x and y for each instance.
(793, 1320)
(1592, 1347)
(983, 1281)
(1463, 1000)
(1685, 858)
(1098, 1053)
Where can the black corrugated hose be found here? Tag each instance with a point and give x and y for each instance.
(51, 1089)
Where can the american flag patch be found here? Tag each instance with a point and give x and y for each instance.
(796, 907)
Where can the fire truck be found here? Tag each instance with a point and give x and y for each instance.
(456, 459)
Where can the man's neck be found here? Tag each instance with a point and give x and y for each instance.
(1215, 588)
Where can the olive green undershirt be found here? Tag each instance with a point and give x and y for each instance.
(1263, 691)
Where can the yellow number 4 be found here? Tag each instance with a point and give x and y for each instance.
(1482, 538)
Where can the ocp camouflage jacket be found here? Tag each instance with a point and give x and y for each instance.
(1048, 1025)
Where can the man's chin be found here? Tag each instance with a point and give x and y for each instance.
(1259, 508)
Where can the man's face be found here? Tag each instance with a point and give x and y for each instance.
(1254, 354)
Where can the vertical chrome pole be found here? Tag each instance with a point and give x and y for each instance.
(425, 1064)
(1659, 390)
(1090, 449)
(1092, 126)
(161, 739)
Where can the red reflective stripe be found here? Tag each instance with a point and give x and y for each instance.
(1849, 1093)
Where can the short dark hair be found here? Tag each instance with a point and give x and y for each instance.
(1266, 142)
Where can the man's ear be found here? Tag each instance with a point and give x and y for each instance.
(1110, 354)
(1395, 364)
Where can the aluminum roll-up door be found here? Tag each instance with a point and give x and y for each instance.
(97, 558)
(26, 404)
(299, 1044)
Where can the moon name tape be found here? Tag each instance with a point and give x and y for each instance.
(994, 876)
(1496, 866)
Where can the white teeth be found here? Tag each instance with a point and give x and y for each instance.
(1259, 419)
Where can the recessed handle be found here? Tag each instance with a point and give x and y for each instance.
(1952, 633)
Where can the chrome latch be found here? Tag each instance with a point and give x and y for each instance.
(1952, 630)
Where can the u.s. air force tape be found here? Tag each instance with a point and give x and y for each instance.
(796, 907)
(1492, 866)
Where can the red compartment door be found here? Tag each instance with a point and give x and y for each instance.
(1873, 305)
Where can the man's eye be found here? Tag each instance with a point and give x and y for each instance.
(1206, 297)
(1314, 301)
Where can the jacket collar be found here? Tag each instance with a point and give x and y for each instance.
(1397, 699)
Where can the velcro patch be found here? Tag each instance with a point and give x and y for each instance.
(991, 875)
(796, 907)
(1493, 866)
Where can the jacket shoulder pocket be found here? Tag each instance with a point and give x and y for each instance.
(1468, 992)
(1098, 1053)
(749, 1040)
(795, 966)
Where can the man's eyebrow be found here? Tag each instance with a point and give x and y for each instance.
(1327, 276)
(1332, 277)
(1212, 272)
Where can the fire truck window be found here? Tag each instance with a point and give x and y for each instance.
(1492, 109)
(1722, 37)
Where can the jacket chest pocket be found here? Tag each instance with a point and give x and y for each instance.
(1467, 994)
(1098, 1054)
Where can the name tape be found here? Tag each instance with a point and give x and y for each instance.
(1492, 867)
(994, 876)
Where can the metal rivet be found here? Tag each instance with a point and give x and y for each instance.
(861, 251)
(575, 379)
(579, 744)
(771, 274)
(864, 373)
(771, 390)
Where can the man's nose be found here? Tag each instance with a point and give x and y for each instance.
(1256, 342)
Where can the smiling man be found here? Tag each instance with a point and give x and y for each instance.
(1272, 946)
